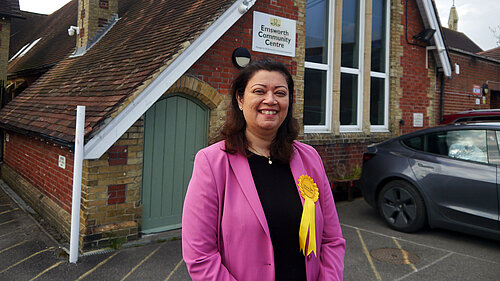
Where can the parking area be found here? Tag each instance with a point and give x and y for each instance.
(376, 252)
(28, 252)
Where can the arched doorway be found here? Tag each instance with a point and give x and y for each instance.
(175, 128)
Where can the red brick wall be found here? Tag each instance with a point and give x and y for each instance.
(341, 159)
(458, 89)
(415, 81)
(216, 68)
(37, 162)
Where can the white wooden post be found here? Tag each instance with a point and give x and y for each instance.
(77, 184)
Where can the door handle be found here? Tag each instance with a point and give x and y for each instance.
(425, 166)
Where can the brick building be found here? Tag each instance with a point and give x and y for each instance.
(9, 10)
(474, 68)
(155, 78)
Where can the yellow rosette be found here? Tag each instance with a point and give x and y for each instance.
(309, 191)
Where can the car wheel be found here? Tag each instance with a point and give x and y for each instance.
(401, 206)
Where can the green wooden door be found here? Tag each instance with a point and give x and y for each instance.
(175, 128)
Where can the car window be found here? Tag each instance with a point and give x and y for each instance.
(498, 139)
(493, 151)
(432, 143)
(477, 118)
(467, 145)
(460, 144)
(486, 118)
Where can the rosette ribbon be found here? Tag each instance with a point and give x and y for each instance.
(309, 191)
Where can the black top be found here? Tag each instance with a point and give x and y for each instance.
(283, 209)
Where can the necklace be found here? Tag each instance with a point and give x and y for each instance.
(260, 154)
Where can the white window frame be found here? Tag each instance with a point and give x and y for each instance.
(327, 127)
(359, 72)
(385, 76)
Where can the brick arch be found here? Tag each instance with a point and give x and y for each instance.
(198, 89)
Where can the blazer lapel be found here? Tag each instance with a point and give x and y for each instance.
(298, 169)
(241, 169)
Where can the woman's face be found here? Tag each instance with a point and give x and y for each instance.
(265, 102)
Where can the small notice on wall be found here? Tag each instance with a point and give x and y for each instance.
(476, 90)
(62, 162)
(418, 119)
(273, 34)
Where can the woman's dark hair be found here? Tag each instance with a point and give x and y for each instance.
(234, 128)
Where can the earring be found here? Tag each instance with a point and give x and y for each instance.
(241, 108)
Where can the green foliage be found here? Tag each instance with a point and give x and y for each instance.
(117, 243)
(354, 174)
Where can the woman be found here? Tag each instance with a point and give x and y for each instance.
(244, 206)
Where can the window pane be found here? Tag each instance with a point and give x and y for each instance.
(377, 101)
(498, 139)
(316, 31)
(348, 99)
(467, 145)
(314, 97)
(432, 143)
(378, 35)
(463, 144)
(350, 33)
(415, 142)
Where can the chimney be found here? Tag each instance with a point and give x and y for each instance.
(94, 18)
(9, 9)
(4, 49)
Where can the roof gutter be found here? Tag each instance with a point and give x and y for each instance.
(8, 15)
(482, 57)
(433, 22)
(108, 135)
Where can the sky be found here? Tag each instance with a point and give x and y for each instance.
(474, 17)
(41, 6)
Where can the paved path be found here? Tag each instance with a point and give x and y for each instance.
(374, 252)
(28, 253)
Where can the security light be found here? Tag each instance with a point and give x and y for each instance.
(425, 35)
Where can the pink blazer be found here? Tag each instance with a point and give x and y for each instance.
(224, 230)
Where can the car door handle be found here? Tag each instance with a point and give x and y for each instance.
(425, 166)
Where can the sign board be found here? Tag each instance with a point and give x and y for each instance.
(418, 119)
(476, 90)
(62, 162)
(273, 34)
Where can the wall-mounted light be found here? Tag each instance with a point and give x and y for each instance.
(241, 57)
(73, 29)
(485, 89)
(425, 35)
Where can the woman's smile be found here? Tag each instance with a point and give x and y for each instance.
(265, 102)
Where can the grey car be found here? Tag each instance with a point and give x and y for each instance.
(444, 177)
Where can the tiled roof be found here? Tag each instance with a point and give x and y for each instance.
(493, 53)
(54, 45)
(146, 38)
(459, 40)
(23, 31)
(10, 8)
